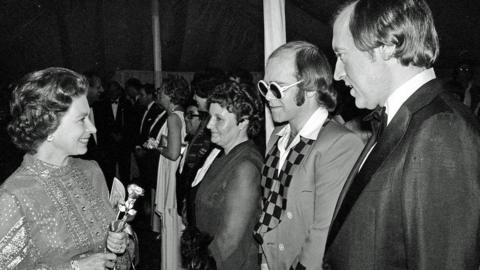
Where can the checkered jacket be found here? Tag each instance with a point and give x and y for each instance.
(275, 185)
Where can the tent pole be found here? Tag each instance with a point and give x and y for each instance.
(157, 46)
(275, 35)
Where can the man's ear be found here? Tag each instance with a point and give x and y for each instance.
(310, 94)
(386, 52)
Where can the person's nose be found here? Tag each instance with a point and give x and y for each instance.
(269, 96)
(91, 127)
(339, 73)
(210, 123)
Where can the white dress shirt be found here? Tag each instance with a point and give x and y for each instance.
(115, 108)
(310, 131)
(402, 93)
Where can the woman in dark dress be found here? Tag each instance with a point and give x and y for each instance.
(227, 201)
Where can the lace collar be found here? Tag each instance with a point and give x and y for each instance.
(45, 169)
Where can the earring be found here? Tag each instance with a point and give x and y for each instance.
(50, 138)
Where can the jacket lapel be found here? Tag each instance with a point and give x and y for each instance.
(386, 144)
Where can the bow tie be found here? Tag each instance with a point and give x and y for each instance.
(378, 120)
(114, 102)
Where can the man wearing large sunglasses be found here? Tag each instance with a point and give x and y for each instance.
(308, 158)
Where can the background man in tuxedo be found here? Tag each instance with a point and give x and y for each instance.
(150, 123)
(94, 95)
(415, 201)
(149, 114)
(308, 159)
(115, 123)
(463, 86)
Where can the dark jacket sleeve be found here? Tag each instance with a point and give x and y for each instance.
(441, 195)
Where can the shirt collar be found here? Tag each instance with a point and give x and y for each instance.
(311, 128)
(150, 105)
(402, 93)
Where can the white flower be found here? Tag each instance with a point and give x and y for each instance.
(151, 143)
(134, 191)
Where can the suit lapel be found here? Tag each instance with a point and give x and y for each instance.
(153, 132)
(294, 151)
(147, 120)
(386, 144)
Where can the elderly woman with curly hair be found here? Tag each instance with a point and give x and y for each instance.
(228, 198)
(55, 211)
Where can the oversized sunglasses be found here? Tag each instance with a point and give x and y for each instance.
(274, 88)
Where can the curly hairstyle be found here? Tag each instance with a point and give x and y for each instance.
(39, 101)
(243, 101)
(177, 89)
(313, 68)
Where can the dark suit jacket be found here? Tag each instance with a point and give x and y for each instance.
(152, 113)
(96, 150)
(108, 128)
(421, 206)
(148, 164)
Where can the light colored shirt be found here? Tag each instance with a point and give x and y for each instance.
(310, 131)
(203, 170)
(402, 93)
(115, 109)
(467, 100)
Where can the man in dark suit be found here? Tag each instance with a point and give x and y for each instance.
(463, 86)
(148, 127)
(94, 95)
(148, 115)
(115, 132)
(412, 200)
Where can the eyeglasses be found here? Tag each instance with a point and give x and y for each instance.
(274, 88)
(190, 116)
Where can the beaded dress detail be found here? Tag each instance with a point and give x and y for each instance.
(51, 215)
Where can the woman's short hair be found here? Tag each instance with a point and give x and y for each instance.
(406, 24)
(39, 101)
(241, 100)
(177, 89)
(313, 68)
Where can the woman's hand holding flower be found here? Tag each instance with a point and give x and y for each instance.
(117, 241)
